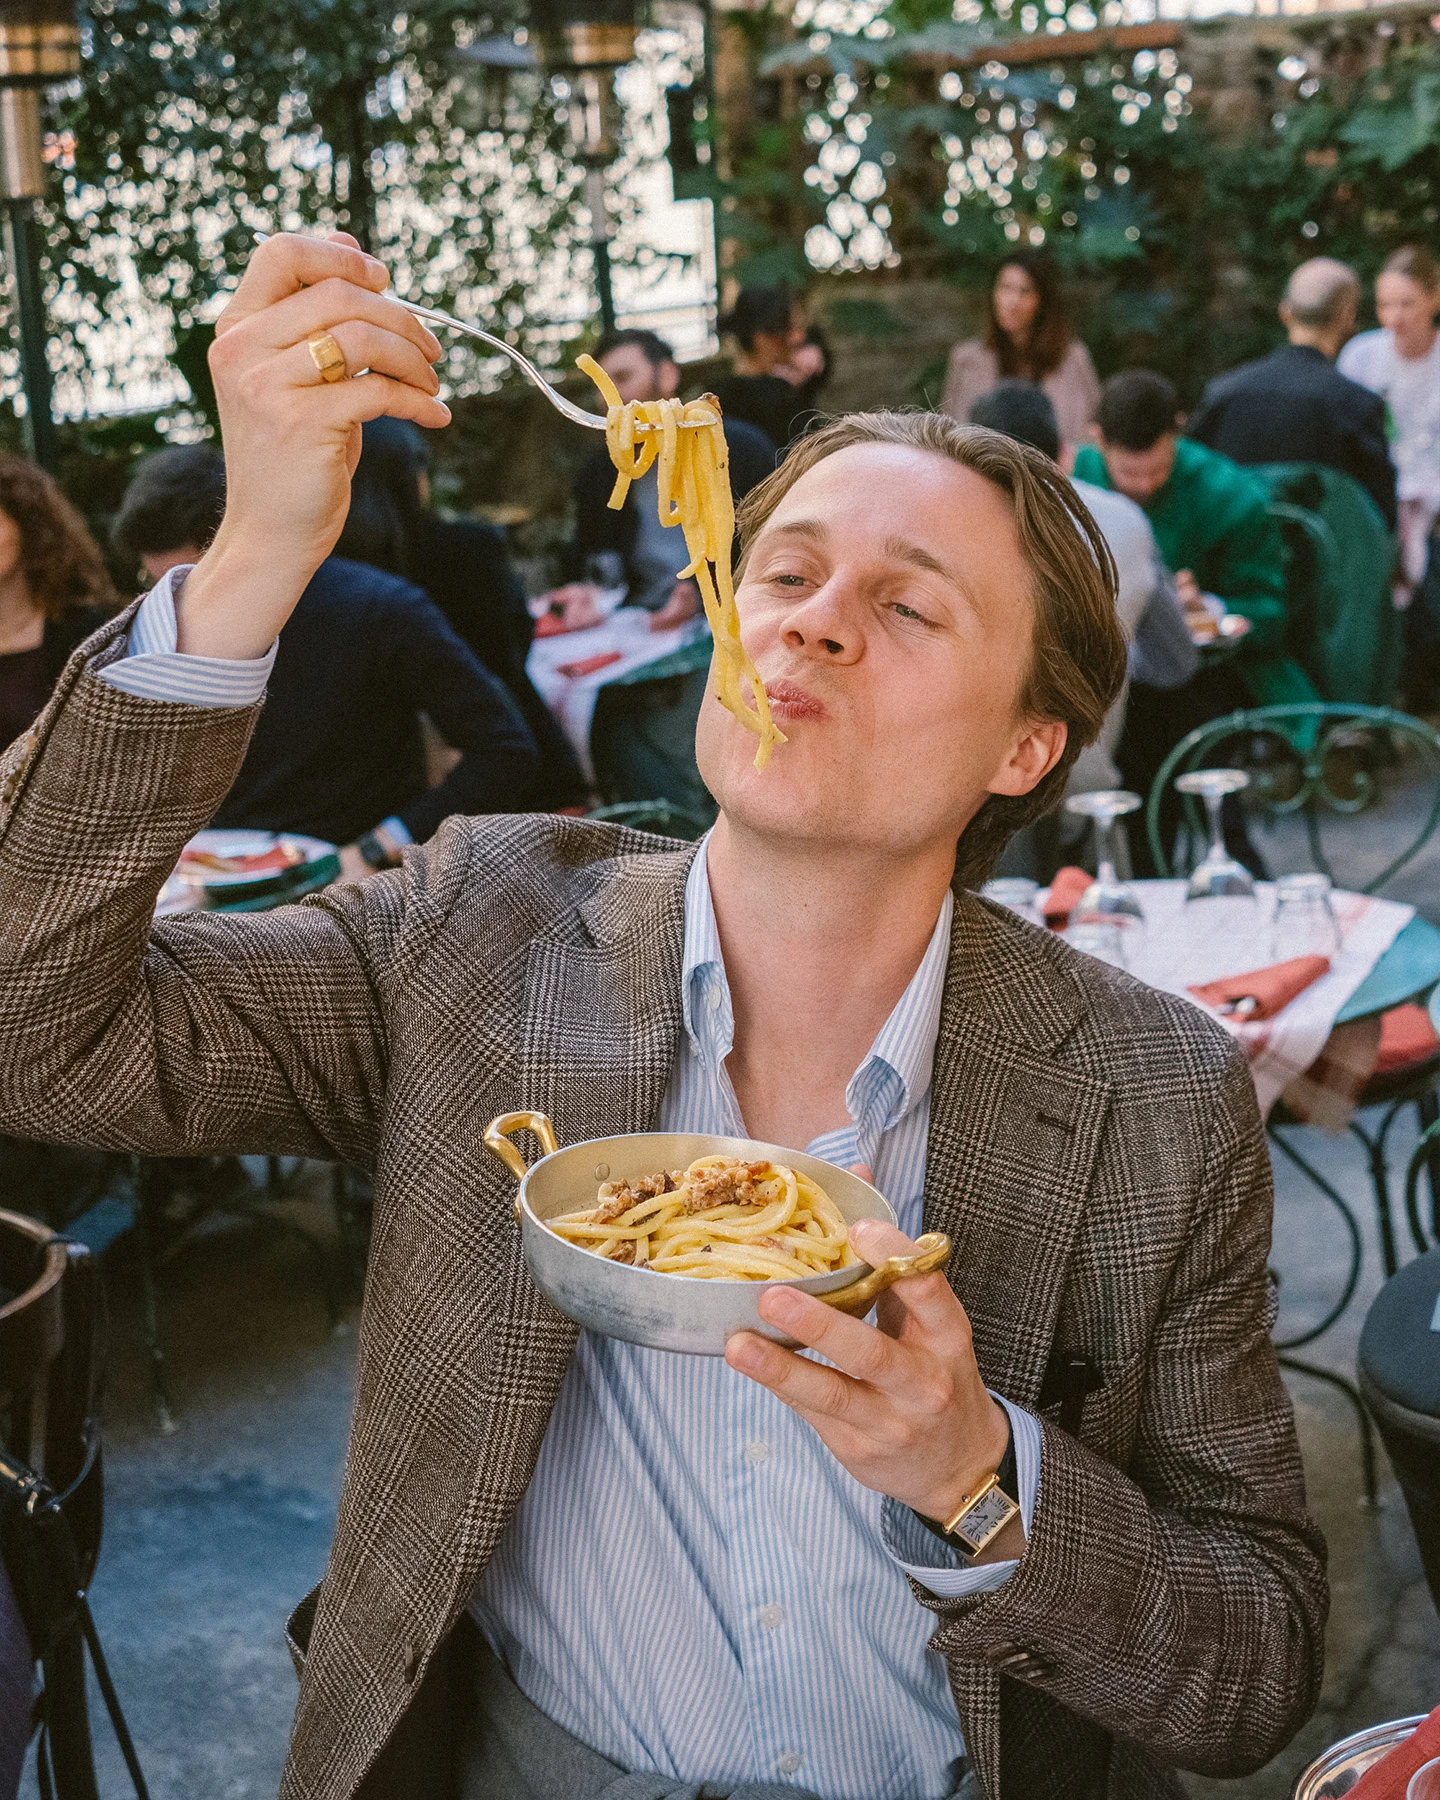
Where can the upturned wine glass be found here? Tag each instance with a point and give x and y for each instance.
(1107, 896)
(1217, 875)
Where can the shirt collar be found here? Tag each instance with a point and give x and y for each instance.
(903, 1053)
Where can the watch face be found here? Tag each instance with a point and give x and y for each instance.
(986, 1516)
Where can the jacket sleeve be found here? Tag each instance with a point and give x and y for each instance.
(1369, 458)
(1181, 1603)
(441, 676)
(201, 1033)
(1204, 422)
(969, 374)
(1245, 567)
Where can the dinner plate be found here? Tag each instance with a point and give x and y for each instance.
(248, 890)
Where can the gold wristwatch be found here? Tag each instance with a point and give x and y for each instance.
(985, 1512)
(980, 1517)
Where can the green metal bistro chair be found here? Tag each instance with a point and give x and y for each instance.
(642, 739)
(1425, 1160)
(659, 816)
(1342, 627)
(1319, 763)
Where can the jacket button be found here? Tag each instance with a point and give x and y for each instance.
(411, 1664)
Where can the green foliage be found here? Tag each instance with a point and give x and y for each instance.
(1176, 235)
(198, 122)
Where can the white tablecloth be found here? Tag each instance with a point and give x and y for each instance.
(572, 697)
(1208, 940)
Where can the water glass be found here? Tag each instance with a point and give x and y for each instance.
(1425, 1782)
(1018, 893)
(1304, 923)
(1103, 937)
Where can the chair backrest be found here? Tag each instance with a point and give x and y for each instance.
(51, 1313)
(1425, 1160)
(660, 816)
(1342, 626)
(1307, 759)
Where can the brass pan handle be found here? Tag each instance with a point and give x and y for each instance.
(500, 1130)
(931, 1252)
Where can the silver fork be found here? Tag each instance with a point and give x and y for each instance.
(576, 415)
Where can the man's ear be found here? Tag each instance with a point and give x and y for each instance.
(1287, 318)
(669, 380)
(1031, 758)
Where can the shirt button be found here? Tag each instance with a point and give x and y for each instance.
(772, 1617)
(789, 1762)
(757, 1452)
(712, 998)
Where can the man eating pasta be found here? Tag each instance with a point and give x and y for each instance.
(566, 1566)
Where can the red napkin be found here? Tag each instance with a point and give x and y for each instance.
(1065, 891)
(1406, 1036)
(587, 665)
(1389, 1778)
(1274, 987)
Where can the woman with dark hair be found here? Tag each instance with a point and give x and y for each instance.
(1028, 339)
(54, 590)
(781, 364)
(464, 567)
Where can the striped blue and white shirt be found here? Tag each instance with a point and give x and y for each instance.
(693, 1585)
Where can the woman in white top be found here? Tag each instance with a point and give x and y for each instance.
(1028, 339)
(1401, 361)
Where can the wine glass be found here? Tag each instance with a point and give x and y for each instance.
(1217, 874)
(1107, 897)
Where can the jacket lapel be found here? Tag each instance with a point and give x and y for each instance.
(1014, 1133)
(600, 1024)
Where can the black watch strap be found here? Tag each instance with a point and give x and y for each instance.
(1007, 1479)
(373, 851)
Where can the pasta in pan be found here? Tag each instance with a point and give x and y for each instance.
(720, 1219)
(686, 445)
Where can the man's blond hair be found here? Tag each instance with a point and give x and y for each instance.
(1077, 659)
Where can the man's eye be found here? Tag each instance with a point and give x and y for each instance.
(789, 580)
(909, 612)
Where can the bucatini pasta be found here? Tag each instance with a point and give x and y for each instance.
(720, 1219)
(686, 443)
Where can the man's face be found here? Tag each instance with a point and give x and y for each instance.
(1140, 473)
(888, 610)
(159, 562)
(637, 377)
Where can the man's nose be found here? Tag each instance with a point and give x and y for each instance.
(824, 624)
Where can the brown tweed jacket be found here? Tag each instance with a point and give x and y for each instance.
(1094, 1152)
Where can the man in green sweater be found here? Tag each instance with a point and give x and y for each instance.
(1213, 528)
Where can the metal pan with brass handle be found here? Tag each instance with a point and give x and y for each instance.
(673, 1312)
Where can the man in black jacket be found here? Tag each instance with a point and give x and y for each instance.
(339, 750)
(1294, 405)
(640, 552)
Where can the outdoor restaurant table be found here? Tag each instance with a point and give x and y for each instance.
(1388, 956)
(568, 670)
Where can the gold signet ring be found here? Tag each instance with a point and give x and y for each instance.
(328, 358)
